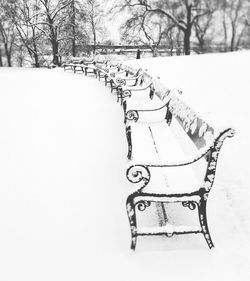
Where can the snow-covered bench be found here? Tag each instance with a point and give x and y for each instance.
(153, 96)
(82, 64)
(139, 87)
(171, 160)
(73, 63)
(128, 77)
(105, 70)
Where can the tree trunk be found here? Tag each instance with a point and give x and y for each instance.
(94, 36)
(232, 39)
(187, 32)
(225, 32)
(73, 29)
(36, 57)
(55, 52)
(171, 48)
(54, 41)
(94, 49)
(155, 52)
(201, 44)
(8, 54)
(187, 35)
(1, 59)
(74, 46)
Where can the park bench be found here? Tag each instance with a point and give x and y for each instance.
(106, 70)
(128, 77)
(85, 65)
(79, 64)
(92, 68)
(171, 160)
(69, 65)
(139, 87)
(153, 96)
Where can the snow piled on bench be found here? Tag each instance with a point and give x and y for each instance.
(63, 185)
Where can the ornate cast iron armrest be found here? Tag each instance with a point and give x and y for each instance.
(132, 115)
(125, 94)
(139, 175)
(122, 81)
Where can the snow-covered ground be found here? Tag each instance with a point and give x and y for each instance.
(63, 186)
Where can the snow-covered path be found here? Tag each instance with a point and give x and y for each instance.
(63, 191)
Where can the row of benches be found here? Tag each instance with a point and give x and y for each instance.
(172, 150)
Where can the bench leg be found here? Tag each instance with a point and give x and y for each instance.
(124, 111)
(132, 220)
(128, 134)
(203, 222)
(121, 99)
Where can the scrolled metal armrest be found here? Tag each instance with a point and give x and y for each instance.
(126, 93)
(132, 115)
(120, 81)
(138, 174)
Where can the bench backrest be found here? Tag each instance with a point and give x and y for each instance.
(132, 71)
(206, 137)
(197, 129)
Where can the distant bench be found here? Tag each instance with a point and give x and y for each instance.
(84, 65)
(165, 164)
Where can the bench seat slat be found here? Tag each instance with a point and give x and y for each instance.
(157, 143)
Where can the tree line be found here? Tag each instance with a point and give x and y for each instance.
(36, 30)
(194, 25)
(40, 31)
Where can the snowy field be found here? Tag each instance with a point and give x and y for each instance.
(63, 186)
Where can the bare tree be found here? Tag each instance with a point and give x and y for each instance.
(54, 13)
(1, 57)
(202, 26)
(234, 22)
(26, 22)
(73, 25)
(7, 31)
(94, 20)
(183, 13)
(146, 29)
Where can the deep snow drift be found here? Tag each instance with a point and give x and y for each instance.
(63, 186)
